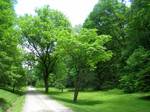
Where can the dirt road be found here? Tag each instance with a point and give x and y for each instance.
(38, 102)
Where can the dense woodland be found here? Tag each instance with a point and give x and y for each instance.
(110, 50)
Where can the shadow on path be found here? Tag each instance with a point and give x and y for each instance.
(33, 92)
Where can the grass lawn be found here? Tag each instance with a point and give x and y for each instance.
(104, 101)
(11, 101)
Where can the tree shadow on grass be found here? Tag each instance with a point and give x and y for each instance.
(18, 92)
(3, 104)
(79, 102)
(145, 97)
(55, 93)
(50, 92)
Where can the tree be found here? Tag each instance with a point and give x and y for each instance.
(11, 62)
(6, 21)
(61, 73)
(109, 18)
(7, 15)
(39, 35)
(10, 53)
(135, 73)
(84, 50)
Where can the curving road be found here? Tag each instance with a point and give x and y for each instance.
(38, 102)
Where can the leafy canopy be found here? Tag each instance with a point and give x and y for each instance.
(85, 48)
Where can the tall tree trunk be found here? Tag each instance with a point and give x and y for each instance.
(45, 75)
(46, 85)
(76, 91)
(77, 87)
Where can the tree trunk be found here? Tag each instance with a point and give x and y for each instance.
(46, 85)
(13, 88)
(76, 94)
(62, 90)
(46, 82)
(77, 87)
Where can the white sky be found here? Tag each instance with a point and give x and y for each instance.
(76, 10)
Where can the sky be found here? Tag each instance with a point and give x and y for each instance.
(76, 10)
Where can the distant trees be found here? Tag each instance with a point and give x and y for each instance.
(39, 35)
(129, 28)
(109, 17)
(136, 72)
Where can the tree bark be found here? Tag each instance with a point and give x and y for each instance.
(13, 88)
(77, 87)
(45, 75)
(46, 85)
(76, 94)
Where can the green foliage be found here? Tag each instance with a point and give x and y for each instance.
(109, 17)
(61, 74)
(59, 84)
(139, 57)
(137, 71)
(129, 28)
(139, 25)
(128, 83)
(39, 35)
(136, 74)
(84, 50)
(6, 15)
(12, 73)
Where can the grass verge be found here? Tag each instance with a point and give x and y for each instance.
(11, 102)
(104, 101)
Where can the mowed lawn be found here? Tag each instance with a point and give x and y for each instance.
(11, 101)
(104, 101)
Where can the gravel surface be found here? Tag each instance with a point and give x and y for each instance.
(38, 102)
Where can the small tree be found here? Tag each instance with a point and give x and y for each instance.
(61, 74)
(84, 49)
(17, 77)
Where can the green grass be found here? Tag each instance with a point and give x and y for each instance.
(104, 101)
(17, 107)
(11, 101)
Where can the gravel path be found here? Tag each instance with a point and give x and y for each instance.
(38, 102)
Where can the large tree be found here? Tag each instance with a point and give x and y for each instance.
(39, 35)
(83, 50)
